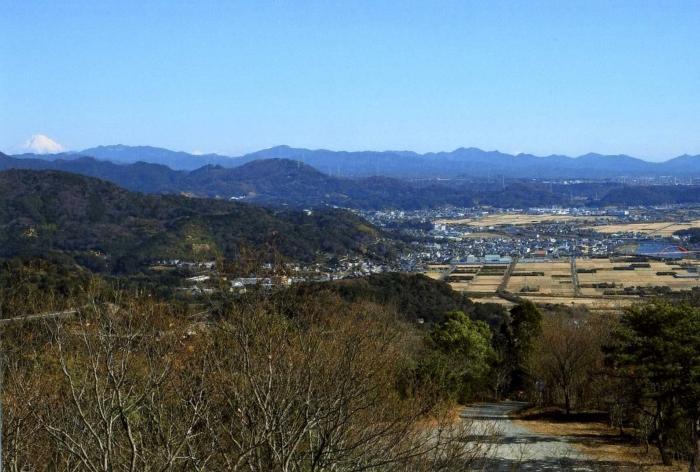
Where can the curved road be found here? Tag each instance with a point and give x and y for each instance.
(518, 449)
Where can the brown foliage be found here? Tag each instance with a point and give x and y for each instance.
(133, 385)
(569, 360)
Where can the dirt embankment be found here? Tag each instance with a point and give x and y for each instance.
(592, 435)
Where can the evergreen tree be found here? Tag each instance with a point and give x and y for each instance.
(658, 348)
(526, 327)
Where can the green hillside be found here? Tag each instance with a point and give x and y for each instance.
(46, 211)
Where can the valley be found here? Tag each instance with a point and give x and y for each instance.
(603, 258)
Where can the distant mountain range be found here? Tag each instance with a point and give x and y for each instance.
(267, 181)
(120, 154)
(476, 163)
(278, 182)
(462, 162)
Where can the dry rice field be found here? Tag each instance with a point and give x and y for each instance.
(602, 282)
(658, 274)
(592, 303)
(434, 275)
(437, 271)
(664, 228)
(514, 219)
(543, 278)
(485, 235)
(477, 278)
(494, 299)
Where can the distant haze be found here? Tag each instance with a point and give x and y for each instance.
(460, 163)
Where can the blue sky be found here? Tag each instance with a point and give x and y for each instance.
(540, 77)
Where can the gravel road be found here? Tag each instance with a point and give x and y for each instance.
(518, 449)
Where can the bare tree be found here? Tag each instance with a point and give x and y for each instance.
(21, 431)
(121, 405)
(320, 397)
(567, 356)
(130, 385)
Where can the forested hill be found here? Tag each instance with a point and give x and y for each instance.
(100, 223)
(281, 181)
(652, 195)
(413, 296)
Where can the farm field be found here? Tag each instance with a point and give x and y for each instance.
(437, 271)
(485, 235)
(486, 283)
(514, 219)
(438, 267)
(592, 303)
(544, 278)
(434, 275)
(603, 284)
(494, 299)
(664, 228)
(601, 276)
(478, 278)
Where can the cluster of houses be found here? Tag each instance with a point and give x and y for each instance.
(291, 273)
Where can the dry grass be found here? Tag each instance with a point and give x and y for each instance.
(450, 414)
(439, 266)
(663, 228)
(639, 277)
(496, 300)
(513, 219)
(592, 303)
(460, 286)
(555, 278)
(555, 285)
(481, 283)
(601, 442)
(485, 235)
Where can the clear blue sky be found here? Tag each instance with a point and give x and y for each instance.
(518, 76)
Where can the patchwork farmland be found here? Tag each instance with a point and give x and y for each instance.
(552, 278)
(661, 229)
(605, 277)
(477, 278)
(602, 284)
(515, 219)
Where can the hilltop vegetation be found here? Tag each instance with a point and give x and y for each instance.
(414, 296)
(654, 195)
(693, 235)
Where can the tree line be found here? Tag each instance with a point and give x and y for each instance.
(642, 369)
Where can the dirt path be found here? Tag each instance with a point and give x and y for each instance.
(519, 449)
